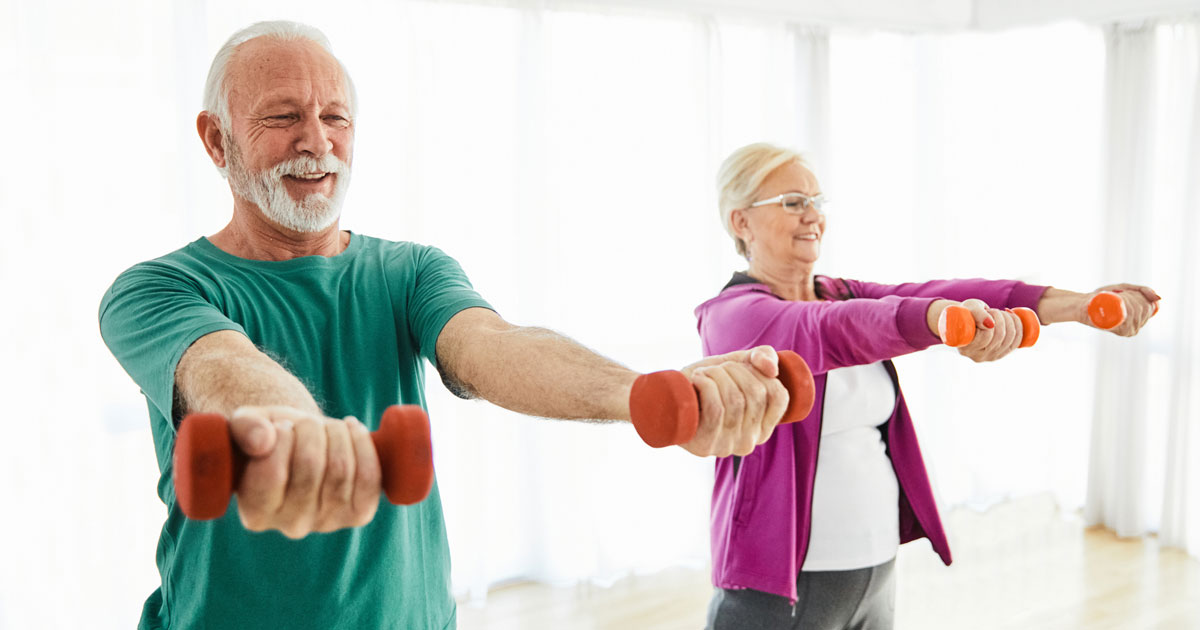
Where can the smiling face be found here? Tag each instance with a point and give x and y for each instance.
(776, 238)
(290, 134)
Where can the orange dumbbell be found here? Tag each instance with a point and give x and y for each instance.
(665, 407)
(1107, 310)
(209, 466)
(957, 327)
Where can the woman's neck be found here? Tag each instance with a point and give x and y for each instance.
(789, 283)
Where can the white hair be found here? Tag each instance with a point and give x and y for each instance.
(216, 88)
(742, 174)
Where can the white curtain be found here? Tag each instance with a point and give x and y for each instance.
(975, 155)
(1146, 435)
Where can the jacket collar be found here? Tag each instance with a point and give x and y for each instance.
(826, 287)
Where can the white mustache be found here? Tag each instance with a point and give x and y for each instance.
(305, 165)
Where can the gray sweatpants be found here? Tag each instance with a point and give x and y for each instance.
(862, 599)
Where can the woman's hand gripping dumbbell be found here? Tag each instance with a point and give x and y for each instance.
(209, 465)
(957, 324)
(1107, 310)
(665, 406)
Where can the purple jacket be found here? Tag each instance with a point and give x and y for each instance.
(761, 505)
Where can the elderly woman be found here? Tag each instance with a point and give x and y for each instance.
(806, 528)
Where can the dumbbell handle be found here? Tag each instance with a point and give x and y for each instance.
(209, 465)
(665, 407)
(956, 326)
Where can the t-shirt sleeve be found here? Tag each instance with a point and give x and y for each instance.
(149, 317)
(441, 289)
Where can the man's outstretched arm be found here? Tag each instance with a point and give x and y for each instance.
(539, 372)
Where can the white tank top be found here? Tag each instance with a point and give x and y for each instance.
(855, 512)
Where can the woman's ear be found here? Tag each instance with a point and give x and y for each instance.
(740, 223)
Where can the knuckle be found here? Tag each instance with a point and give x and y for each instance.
(308, 459)
(276, 476)
(370, 475)
(337, 468)
(340, 519)
(736, 402)
(365, 514)
(253, 520)
(716, 417)
(759, 392)
(294, 532)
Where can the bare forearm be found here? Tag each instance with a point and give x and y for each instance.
(535, 371)
(1060, 305)
(224, 371)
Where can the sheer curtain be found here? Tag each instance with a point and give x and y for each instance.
(974, 155)
(1062, 155)
(1146, 435)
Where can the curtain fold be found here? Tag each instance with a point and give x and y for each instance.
(1181, 502)
(1142, 475)
(1118, 457)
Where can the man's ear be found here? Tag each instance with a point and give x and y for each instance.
(211, 136)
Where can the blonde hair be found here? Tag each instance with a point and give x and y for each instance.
(741, 175)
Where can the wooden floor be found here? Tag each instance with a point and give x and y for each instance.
(1021, 566)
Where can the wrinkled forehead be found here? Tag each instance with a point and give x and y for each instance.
(791, 177)
(265, 69)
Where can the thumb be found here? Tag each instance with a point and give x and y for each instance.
(765, 360)
(978, 310)
(762, 358)
(252, 431)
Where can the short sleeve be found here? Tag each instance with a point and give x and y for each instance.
(440, 291)
(149, 317)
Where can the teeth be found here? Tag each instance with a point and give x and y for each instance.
(310, 176)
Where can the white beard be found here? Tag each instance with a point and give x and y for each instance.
(265, 189)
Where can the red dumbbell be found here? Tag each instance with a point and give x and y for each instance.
(1107, 310)
(209, 466)
(665, 407)
(957, 327)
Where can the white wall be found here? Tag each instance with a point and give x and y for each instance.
(996, 14)
(903, 15)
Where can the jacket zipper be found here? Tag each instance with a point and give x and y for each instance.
(808, 509)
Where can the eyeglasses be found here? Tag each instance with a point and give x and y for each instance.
(795, 203)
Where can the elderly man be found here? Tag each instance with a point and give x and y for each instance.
(296, 330)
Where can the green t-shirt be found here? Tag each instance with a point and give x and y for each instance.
(354, 329)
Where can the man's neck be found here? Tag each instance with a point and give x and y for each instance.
(250, 235)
